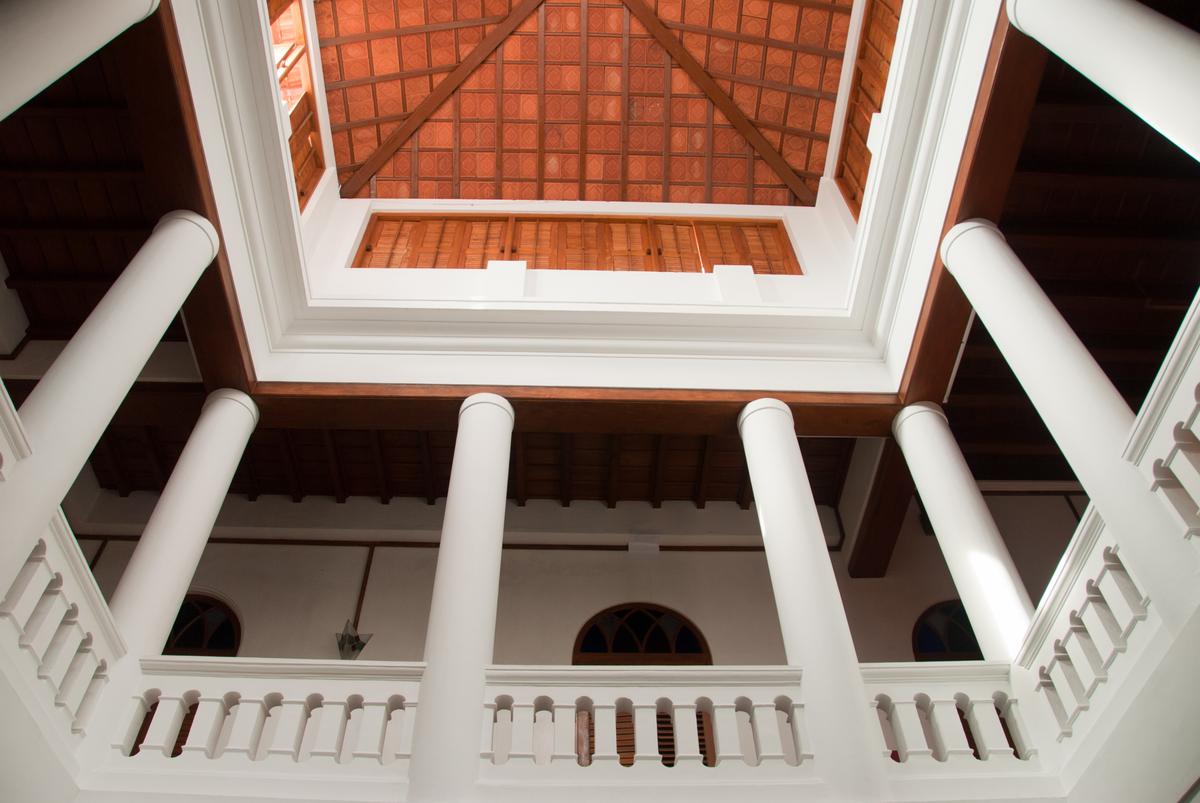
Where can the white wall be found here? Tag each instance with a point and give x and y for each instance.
(292, 598)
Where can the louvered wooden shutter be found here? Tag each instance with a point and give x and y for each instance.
(708, 748)
(629, 245)
(666, 738)
(676, 247)
(761, 244)
(625, 739)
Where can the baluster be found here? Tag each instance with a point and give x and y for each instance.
(249, 716)
(804, 749)
(1084, 656)
(543, 735)
(687, 735)
(606, 733)
(1066, 682)
(369, 746)
(77, 680)
(129, 722)
(1180, 505)
(910, 733)
(950, 742)
(729, 741)
(1054, 700)
(201, 744)
(766, 734)
(406, 723)
(521, 745)
(989, 733)
(26, 591)
(1122, 597)
(391, 735)
(66, 642)
(564, 735)
(91, 698)
(1102, 627)
(487, 733)
(331, 727)
(645, 734)
(887, 742)
(291, 716)
(164, 728)
(1184, 462)
(44, 621)
(1016, 729)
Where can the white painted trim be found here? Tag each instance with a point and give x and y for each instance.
(288, 668)
(1062, 588)
(656, 676)
(936, 672)
(1176, 376)
(94, 604)
(12, 431)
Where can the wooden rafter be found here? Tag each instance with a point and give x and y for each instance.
(393, 142)
(719, 98)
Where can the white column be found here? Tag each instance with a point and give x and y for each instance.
(987, 581)
(1145, 60)
(1085, 414)
(71, 405)
(816, 635)
(41, 40)
(462, 615)
(156, 580)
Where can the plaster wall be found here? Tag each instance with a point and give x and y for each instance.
(293, 597)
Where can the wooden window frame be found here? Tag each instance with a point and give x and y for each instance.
(303, 121)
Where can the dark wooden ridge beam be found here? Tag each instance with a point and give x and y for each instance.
(997, 130)
(720, 99)
(887, 504)
(445, 88)
(574, 410)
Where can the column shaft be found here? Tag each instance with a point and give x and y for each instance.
(1085, 414)
(41, 40)
(812, 620)
(978, 560)
(1144, 59)
(72, 404)
(462, 617)
(158, 575)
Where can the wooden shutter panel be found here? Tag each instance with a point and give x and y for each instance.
(666, 738)
(629, 245)
(676, 247)
(625, 740)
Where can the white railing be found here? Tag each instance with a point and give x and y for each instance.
(221, 721)
(61, 641)
(962, 715)
(670, 723)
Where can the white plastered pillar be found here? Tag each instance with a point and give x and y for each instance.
(42, 40)
(156, 580)
(73, 403)
(812, 620)
(1087, 417)
(1144, 59)
(462, 616)
(983, 572)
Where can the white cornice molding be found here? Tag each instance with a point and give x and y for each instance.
(1174, 388)
(656, 676)
(277, 668)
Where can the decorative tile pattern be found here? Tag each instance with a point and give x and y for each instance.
(580, 101)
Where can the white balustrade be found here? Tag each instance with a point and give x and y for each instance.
(60, 636)
(585, 723)
(336, 719)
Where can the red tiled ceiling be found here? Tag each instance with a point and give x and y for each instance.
(580, 101)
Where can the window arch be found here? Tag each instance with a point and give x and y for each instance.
(640, 633)
(204, 626)
(943, 633)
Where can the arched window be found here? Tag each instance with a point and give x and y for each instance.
(204, 626)
(943, 633)
(640, 633)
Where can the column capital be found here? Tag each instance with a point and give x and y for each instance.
(488, 398)
(915, 409)
(235, 396)
(199, 221)
(759, 405)
(959, 230)
(1011, 9)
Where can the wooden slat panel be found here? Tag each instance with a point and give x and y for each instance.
(576, 243)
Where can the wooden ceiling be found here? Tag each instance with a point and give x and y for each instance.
(727, 101)
(1105, 213)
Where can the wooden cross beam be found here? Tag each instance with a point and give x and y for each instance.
(387, 149)
(720, 99)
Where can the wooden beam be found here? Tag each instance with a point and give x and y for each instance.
(335, 466)
(385, 487)
(702, 474)
(721, 100)
(109, 452)
(289, 466)
(157, 469)
(562, 409)
(518, 461)
(565, 475)
(427, 469)
(660, 466)
(997, 131)
(388, 147)
(891, 493)
(614, 469)
(745, 492)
